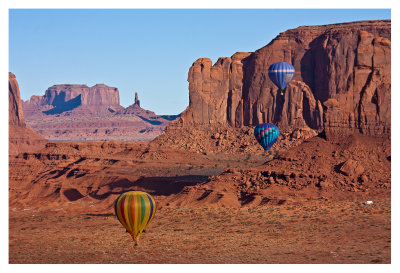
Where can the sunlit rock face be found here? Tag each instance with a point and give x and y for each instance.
(342, 82)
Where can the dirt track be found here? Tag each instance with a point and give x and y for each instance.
(316, 232)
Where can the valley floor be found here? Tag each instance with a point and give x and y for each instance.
(313, 232)
(299, 207)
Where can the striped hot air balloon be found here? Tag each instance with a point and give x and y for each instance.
(281, 74)
(266, 134)
(135, 210)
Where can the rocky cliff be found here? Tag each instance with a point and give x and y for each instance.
(342, 82)
(80, 113)
(15, 113)
(66, 97)
(21, 138)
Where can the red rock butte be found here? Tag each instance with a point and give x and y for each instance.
(342, 82)
(76, 112)
(66, 97)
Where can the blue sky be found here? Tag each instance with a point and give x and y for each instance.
(144, 51)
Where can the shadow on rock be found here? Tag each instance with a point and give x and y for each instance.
(157, 186)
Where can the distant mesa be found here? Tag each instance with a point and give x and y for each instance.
(76, 112)
(61, 98)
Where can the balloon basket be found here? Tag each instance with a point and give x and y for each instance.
(135, 240)
(270, 153)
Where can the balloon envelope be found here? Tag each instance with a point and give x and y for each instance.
(281, 74)
(135, 210)
(266, 134)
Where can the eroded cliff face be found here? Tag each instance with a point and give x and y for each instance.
(16, 116)
(80, 113)
(215, 90)
(65, 97)
(342, 82)
(21, 138)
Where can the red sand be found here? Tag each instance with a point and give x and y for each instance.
(61, 204)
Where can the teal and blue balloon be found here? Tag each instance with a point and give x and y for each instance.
(266, 134)
(281, 74)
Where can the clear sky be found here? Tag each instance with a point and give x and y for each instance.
(144, 51)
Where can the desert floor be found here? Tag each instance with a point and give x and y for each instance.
(315, 232)
(61, 205)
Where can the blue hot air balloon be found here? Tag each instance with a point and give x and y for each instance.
(266, 134)
(281, 74)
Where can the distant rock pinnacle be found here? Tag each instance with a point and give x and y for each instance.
(137, 101)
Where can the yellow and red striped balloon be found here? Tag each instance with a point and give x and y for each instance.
(135, 210)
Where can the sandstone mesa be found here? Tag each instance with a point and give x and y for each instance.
(72, 112)
(342, 82)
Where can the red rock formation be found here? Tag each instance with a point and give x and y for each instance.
(79, 113)
(137, 101)
(15, 113)
(215, 90)
(315, 169)
(343, 67)
(65, 97)
(21, 138)
(135, 109)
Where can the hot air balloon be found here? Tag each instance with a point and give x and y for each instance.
(281, 74)
(266, 134)
(135, 210)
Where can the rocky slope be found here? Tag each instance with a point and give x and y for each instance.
(342, 82)
(78, 178)
(356, 167)
(225, 139)
(21, 138)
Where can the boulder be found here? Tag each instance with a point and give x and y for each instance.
(352, 168)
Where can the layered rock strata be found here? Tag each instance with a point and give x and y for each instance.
(80, 113)
(21, 138)
(66, 97)
(342, 82)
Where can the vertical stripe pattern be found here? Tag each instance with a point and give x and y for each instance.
(266, 134)
(135, 210)
(281, 74)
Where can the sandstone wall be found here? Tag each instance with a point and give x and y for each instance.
(342, 82)
(66, 97)
(215, 90)
(21, 138)
(99, 94)
(15, 113)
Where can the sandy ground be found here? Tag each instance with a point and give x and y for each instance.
(211, 205)
(314, 232)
